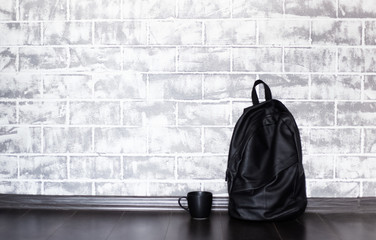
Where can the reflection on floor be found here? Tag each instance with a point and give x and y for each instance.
(177, 225)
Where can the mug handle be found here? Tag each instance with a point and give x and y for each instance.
(185, 208)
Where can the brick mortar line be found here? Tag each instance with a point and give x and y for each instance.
(191, 46)
(115, 73)
(361, 188)
(362, 88)
(114, 180)
(362, 140)
(97, 126)
(18, 10)
(337, 9)
(363, 34)
(167, 180)
(335, 164)
(286, 17)
(357, 180)
(224, 101)
(68, 10)
(68, 167)
(119, 155)
(69, 71)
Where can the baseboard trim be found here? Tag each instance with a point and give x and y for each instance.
(119, 203)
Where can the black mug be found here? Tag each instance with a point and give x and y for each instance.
(199, 204)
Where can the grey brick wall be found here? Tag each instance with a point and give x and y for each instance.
(140, 97)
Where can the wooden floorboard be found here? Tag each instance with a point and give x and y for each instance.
(352, 226)
(86, 225)
(183, 227)
(10, 216)
(247, 230)
(34, 225)
(141, 225)
(178, 225)
(308, 227)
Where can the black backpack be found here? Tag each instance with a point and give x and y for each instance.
(265, 175)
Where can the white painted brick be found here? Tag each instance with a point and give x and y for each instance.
(286, 86)
(8, 10)
(20, 187)
(149, 167)
(130, 85)
(203, 9)
(334, 32)
(312, 8)
(121, 188)
(356, 167)
(127, 32)
(204, 114)
(339, 87)
(151, 85)
(369, 189)
(356, 113)
(257, 59)
(204, 59)
(221, 86)
(370, 140)
(255, 8)
(150, 113)
(217, 139)
(147, 59)
(61, 33)
(20, 139)
(310, 59)
(175, 86)
(172, 189)
(336, 189)
(87, 9)
(149, 9)
(105, 113)
(9, 167)
(175, 32)
(62, 86)
(8, 113)
(8, 59)
(218, 188)
(48, 112)
(20, 34)
(312, 113)
(67, 139)
(305, 134)
(175, 140)
(357, 60)
(95, 58)
(43, 10)
(318, 166)
(20, 85)
(335, 141)
(227, 32)
(284, 32)
(370, 87)
(354, 9)
(67, 188)
(370, 33)
(202, 167)
(238, 109)
(43, 58)
(87, 167)
(43, 167)
(120, 140)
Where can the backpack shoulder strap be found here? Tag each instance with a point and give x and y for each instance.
(268, 93)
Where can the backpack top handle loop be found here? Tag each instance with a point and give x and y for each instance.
(268, 93)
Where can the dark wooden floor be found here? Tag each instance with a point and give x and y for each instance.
(92, 225)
